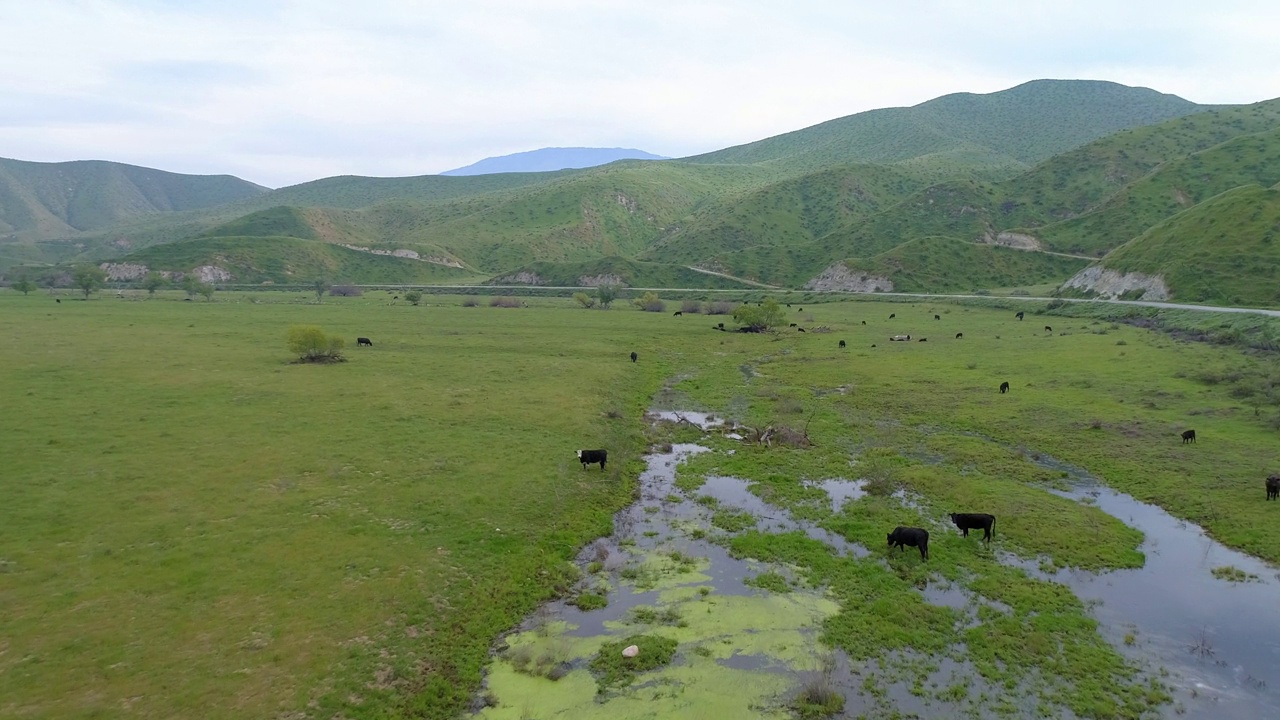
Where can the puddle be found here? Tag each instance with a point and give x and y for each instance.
(731, 492)
(840, 491)
(1220, 637)
(705, 421)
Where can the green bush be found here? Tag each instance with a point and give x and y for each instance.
(311, 344)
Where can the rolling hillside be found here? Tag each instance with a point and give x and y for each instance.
(550, 159)
(43, 200)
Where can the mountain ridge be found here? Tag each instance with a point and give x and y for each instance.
(550, 159)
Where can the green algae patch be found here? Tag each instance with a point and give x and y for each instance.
(663, 570)
(613, 669)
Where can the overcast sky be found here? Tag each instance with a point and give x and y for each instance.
(284, 91)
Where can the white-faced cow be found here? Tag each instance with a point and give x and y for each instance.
(588, 457)
(915, 537)
(975, 521)
(1004, 388)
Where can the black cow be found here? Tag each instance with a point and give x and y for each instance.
(1019, 315)
(915, 537)
(937, 317)
(720, 325)
(1188, 437)
(792, 325)
(923, 340)
(841, 343)
(864, 322)
(587, 457)
(364, 341)
(677, 313)
(799, 329)
(1048, 329)
(975, 521)
(58, 300)
(893, 315)
(799, 309)
(1004, 388)
(959, 335)
(634, 357)
(873, 344)
(1273, 487)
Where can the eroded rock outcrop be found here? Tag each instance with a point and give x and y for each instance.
(597, 280)
(124, 272)
(841, 277)
(520, 278)
(1113, 284)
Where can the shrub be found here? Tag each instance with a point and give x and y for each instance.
(584, 300)
(470, 302)
(606, 294)
(649, 302)
(690, 306)
(759, 318)
(720, 307)
(413, 296)
(505, 301)
(345, 291)
(311, 344)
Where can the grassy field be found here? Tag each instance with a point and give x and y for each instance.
(193, 526)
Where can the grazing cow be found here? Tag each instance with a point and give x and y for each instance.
(1273, 487)
(1019, 315)
(1004, 388)
(924, 339)
(58, 300)
(634, 357)
(1188, 437)
(792, 325)
(959, 335)
(975, 521)
(915, 537)
(900, 338)
(841, 343)
(893, 315)
(587, 457)
(788, 304)
(720, 325)
(397, 297)
(363, 341)
(799, 329)
(799, 309)
(677, 313)
(873, 344)
(937, 317)
(1048, 329)
(864, 322)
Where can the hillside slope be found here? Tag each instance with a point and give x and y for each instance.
(550, 159)
(41, 200)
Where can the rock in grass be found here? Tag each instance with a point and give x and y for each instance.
(631, 651)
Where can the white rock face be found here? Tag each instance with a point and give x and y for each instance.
(211, 274)
(1020, 241)
(124, 271)
(840, 277)
(520, 278)
(1112, 284)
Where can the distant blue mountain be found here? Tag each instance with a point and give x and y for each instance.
(548, 159)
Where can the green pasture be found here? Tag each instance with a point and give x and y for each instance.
(193, 526)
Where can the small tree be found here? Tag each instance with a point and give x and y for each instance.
(606, 294)
(191, 285)
(24, 285)
(153, 282)
(321, 287)
(89, 278)
(649, 302)
(413, 296)
(205, 289)
(584, 300)
(758, 318)
(312, 344)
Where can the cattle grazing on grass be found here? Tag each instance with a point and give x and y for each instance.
(959, 335)
(864, 322)
(720, 325)
(799, 329)
(677, 313)
(1273, 487)
(1019, 315)
(1004, 388)
(1188, 437)
(588, 457)
(1048, 329)
(792, 325)
(873, 344)
(363, 341)
(937, 317)
(634, 357)
(58, 300)
(900, 338)
(975, 521)
(842, 343)
(924, 340)
(901, 537)
(893, 315)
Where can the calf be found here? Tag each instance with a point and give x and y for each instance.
(634, 357)
(937, 317)
(915, 537)
(1004, 388)
(959, 335)
(1019, 315)
(975, 521)
(587, 457)
(364, 341)
(1188, 437)
(1273, 487)
(841, 343)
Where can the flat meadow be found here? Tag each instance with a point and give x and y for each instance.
(192, 525)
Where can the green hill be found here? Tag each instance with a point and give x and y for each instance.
(1225, 250)
(287, 260)
(42, 200)
(614, 270)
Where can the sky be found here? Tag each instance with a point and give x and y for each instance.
(284, 91)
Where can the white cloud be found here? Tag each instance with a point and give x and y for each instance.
(286, 91)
